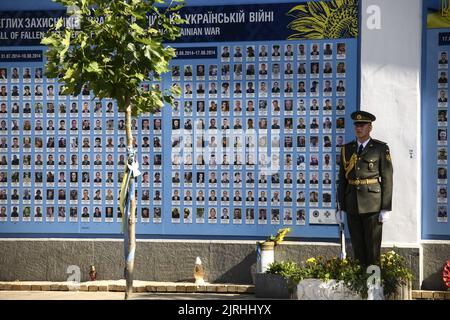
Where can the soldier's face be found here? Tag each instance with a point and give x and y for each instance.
(362, 131)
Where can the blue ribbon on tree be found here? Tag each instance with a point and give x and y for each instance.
(131, 172)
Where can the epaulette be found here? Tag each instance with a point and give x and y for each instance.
(379, 141)
(351, 143)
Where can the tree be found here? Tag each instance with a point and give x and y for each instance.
(113, 46)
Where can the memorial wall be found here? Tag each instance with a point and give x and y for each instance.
(435, 120)
(251, 145)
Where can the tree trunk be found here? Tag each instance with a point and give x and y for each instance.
(131, 222)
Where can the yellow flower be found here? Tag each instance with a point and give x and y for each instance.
(311, 260)
(281, 234)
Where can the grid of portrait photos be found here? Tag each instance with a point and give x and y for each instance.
(254, 139)
(442, 140)
(256, 133)
(63, 157)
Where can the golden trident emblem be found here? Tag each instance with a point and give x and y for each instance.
(445, 9)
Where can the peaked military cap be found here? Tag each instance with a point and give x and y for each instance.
(362, 117)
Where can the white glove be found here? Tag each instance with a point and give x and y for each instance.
(384, 216)
(340, 216)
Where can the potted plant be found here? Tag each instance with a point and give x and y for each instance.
(340, 279)
(396, 277)
(345, 279)
(270, 285)
(278, 281)
(333, 279)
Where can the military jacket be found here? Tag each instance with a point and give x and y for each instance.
(365, 181)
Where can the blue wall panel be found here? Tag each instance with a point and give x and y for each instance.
(317, 218)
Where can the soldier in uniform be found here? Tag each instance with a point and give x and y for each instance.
(365, 189)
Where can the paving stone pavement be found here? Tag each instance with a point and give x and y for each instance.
(146, 290)
(114, 290)
(106, 295)
(119, 286)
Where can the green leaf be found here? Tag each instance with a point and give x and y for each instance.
(144, 40)
(59, 24)
(140, 76)
(66, 43)
(137, 28)
(131, 47)
(147, 53)
(93, 67)
(168, 99)
(48, 41)
(176, 8)
(66, 40)
(83, 42)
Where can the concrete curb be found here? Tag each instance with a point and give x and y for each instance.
(430, 295)
(166, 287)
(119, 286)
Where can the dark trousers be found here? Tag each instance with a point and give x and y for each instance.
(365, 234)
